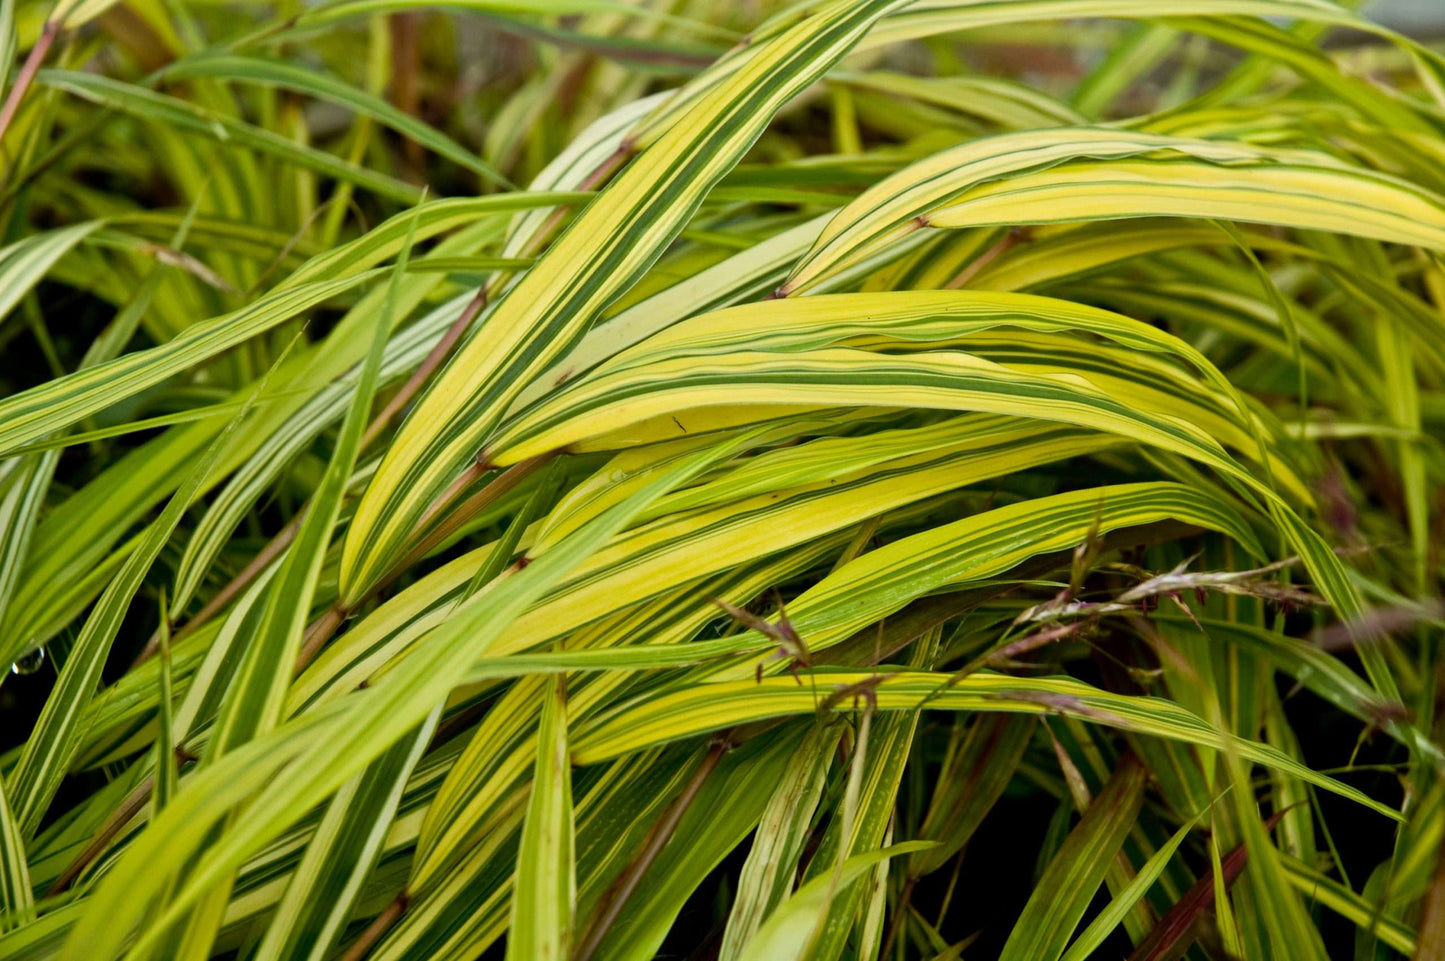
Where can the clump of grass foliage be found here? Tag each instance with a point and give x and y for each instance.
(597, 480)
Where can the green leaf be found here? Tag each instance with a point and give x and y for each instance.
(544, 889)
(31, 414)
(1104, 923)
(787, 932)
(604, 252)
(257, 692)
(55, 739)
(178, 114)
(709, 707)
(772, 864)
(324, 888)
(300, 771)
(17, 901)
(323, 86)
(1068, 884)
(974, 776)
(25, 262)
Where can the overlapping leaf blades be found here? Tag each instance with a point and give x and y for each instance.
(776, 515)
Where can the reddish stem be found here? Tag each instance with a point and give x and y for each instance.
(405, 91)
(429, 365)
(324, 626)
(616, 897)
(433, 360)
(318, 634)
(1010, 239)
(225, 595)
(118, 819)
(27, 73)
(428, 537)
(383, 923)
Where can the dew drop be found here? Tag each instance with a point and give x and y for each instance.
(29, 663)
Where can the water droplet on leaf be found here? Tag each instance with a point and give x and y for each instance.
(29, 663)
